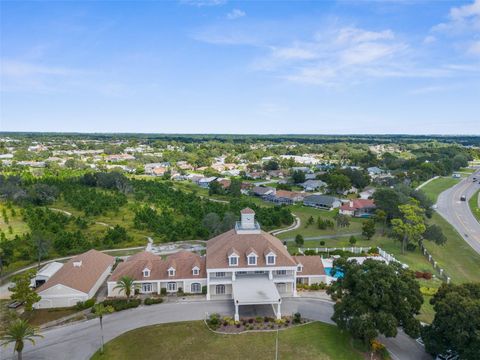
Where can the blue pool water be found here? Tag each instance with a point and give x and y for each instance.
(338, 273)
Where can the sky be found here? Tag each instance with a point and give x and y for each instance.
(251, 67)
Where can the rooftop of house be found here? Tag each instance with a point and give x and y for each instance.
(183, 262)
(358, 204)
(321, 199)
(311, 265)
(81, 272)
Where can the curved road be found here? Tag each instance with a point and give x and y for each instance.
(458, 213)
(80, 340)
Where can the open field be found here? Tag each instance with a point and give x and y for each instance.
(473, 203)
(18, 226)
(435, 187)
(458, 259)
(192, 339)
(42, 316)
(304, 212)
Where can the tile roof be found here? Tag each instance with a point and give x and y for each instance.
(312, 265)
(218, 249)
(183, 262)
(356, 204)
(247, 211)
(83, 277)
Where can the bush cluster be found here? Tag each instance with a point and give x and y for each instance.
(423, 274)
(313, 287)
(82, 305)
(151, 301)
(122, 304)
(428, 291)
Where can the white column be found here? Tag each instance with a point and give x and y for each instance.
(279, 314)
(237, 317)
(158, 287)
(233, 275)
(270, 275)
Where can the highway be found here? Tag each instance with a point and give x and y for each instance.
(458, 213)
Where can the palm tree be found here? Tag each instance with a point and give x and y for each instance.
(18, 332)
(100, 310)
(126, 285)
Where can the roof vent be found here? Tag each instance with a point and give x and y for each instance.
(77, 263)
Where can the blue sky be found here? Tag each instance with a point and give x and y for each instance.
(218, 66)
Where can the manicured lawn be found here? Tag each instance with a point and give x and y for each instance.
(192, 340)
(304, 212)
(473, 203)
(458, 259)
(435, 187)
(43, 316)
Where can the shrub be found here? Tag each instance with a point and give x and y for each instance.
(411, 247)
(180, 291)
(122, 304)
(297, 318)
(310, 252)
(163, 291)
(151, 301)
(258, 319)
(250, 321)
(214, 321)
(322, 243)
(428, 291)
(82, 305)
(204, 290)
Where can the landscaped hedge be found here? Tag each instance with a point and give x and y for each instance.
(82, 305)
(122, 304)
(151, 301)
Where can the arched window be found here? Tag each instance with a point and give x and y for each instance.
(196, 288)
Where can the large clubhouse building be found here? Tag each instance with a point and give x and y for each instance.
(245, 264)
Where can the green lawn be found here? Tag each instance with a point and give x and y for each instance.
(192, 340)
(304, 212)
(473, 203)
(458, 259)
(42, 316)
(435, 187)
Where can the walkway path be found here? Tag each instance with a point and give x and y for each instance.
(322, 237)
(79, 341)
(426, 182)
(296, 224)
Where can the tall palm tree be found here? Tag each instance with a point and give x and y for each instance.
(126, 285)
(18, 332)
(100, 310)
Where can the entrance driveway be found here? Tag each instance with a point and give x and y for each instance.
(79, 341)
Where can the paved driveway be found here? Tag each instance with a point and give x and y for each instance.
(79, 341)
(458, 212)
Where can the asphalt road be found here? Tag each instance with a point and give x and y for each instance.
(458, 212)
(79, 341)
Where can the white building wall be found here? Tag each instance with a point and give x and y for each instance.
(60, 296)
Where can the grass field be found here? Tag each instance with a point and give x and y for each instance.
(435, 187)
(304, 212)
(18, 226)
(192, 340)
(42, 316)
(473, 203)
(458, 259)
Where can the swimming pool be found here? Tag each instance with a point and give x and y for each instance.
(338, 273)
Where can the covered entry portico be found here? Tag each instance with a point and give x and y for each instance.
(255, 290)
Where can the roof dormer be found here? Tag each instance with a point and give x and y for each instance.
(171, 271)
(252, 257)
(146, 272)
(196, 271)
(270, 257)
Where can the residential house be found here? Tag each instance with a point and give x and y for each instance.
(313, 185)
(358, 208)
(367, 193)
(284, 197)
(206, 181)
(263, 190)
(323, 202)
(77, 280)
(310, 270)
(119, 157)
(45, 273)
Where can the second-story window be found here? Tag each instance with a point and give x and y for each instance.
(171, 272)
(252, 260)
(233, 261)
(270, 260)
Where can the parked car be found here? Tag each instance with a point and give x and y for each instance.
(449, 355)
(463, 198)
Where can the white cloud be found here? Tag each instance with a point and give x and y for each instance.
(461, 19)
(235, 14)
(356, 35)
(17, 69)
